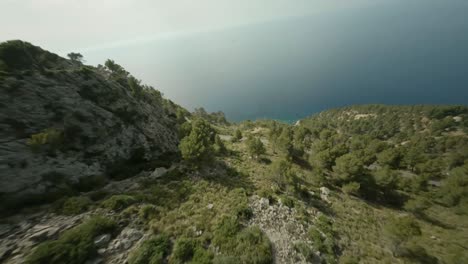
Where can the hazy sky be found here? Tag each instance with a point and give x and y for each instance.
(264, 58)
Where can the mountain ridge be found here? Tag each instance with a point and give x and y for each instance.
(97, 167)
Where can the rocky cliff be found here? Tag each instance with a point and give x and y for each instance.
(65, 126)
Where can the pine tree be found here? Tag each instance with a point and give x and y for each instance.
(198, 145)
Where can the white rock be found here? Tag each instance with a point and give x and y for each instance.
(44, 233)
(102, 240)
(210, 206)
(264, 203)
(158, 172)
(324, 190)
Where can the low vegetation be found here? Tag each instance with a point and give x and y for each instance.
(74, 246)
(371, 184)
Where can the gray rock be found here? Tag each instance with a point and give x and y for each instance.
(6, 250)
(324, 193)
(210, 206)
(158, 172)
(125, 240)
(44, 233)
(100, 125)
(281, 225)
(96, 260)
(102, 240)
(264, 203)
(5, 228)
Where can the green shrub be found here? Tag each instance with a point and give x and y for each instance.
(225, 231)
(237, 136)
(317, 239)
(287, 201)
(129, 212)
(197, 147)
(351, 188)
(19, 55)
(119, 202)
(305, 250)
(284, 176)
(50, 137)
(74, 246)
(267, 193)
(202, 256)
(75, 205)
(223, 259)
(255, 147)
(148, 212)
(399, 230)
(253, 247)
(151, 251)
(219, 146)
(250, 245)
(324, 240)
(417, 205)
(183, 251)
(347, 259)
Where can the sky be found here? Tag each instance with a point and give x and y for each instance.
(265, 58)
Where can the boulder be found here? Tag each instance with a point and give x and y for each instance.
(102, 240)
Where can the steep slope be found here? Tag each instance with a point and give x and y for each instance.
(63, 123)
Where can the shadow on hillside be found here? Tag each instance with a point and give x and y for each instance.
(221, 173)
(304, 164)
(419, 255)
(314, 200)
(434, 221)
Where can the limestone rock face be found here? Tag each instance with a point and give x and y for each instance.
(62, 121)
(280, 223)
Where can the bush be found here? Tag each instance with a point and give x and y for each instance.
(75, 205)
(400, 230)
(253, 247)
(255, 147)
(119, 202)
(283, 175)
(19, 55)
(219, 146)
(237, 136)
(225, 231)
(74, 246)
(324, 240)
(50, 137)
(238, 245)
(417, 205)
(348, 259)
(348, 167)
(305, 250)
(152, 251)
(287, 201)
(202, 256)
(147, 212)
(455, 187)
(198, 145)
(351, 188)
(183, 250)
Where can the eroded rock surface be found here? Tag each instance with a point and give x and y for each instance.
(91, 124)
(282, 227)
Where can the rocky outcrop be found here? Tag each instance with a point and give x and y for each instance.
(23, 232)
(65, 123)
(281, 225)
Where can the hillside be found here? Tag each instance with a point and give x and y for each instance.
(99, 168)
(64, 122)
